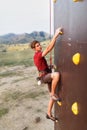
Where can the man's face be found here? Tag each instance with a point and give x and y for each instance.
(38, 47)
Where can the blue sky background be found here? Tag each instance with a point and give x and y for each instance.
(24, 16)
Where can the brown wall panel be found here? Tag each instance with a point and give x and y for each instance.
(72, 16)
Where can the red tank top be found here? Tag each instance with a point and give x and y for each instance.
(40, 61)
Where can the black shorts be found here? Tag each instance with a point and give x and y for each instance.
(47, 78)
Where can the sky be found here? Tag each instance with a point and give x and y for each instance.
(25, 16)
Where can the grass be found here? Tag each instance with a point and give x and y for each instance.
(18, 95)
(3, 111)
(15, 57)
(39, 110)
(18, 57)
(1, 84)
(34, 95)
(7, 73)
(21, 79)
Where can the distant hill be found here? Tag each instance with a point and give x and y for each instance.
(12, 38)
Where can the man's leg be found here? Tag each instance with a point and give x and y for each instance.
(49, 88)
(50, 106)
(55, 79)
(52, 88)
(49, 112)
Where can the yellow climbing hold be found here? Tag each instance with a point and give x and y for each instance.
(75, 108)
(54, 1)
(59, 103)
(61, 33)
(76, 58)
(75, 0)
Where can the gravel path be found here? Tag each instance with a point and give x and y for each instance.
(23, 104)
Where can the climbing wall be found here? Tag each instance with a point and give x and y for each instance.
(70, 57)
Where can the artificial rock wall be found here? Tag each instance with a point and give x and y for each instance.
(70, 57)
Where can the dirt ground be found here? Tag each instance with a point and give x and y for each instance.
(23, 104)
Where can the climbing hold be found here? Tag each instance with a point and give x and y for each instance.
(59, 103)
(54, 1)
(61, 33)
(75, 108)
(75, 0)
(76, 58)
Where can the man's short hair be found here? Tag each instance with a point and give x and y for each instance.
(32, 45)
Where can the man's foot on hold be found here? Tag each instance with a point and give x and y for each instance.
(51, 118)
(58, 99)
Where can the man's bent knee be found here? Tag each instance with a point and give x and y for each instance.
(55, 75)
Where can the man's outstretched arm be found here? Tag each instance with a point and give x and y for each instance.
(52, 43)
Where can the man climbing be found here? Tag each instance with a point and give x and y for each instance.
(45, 73)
